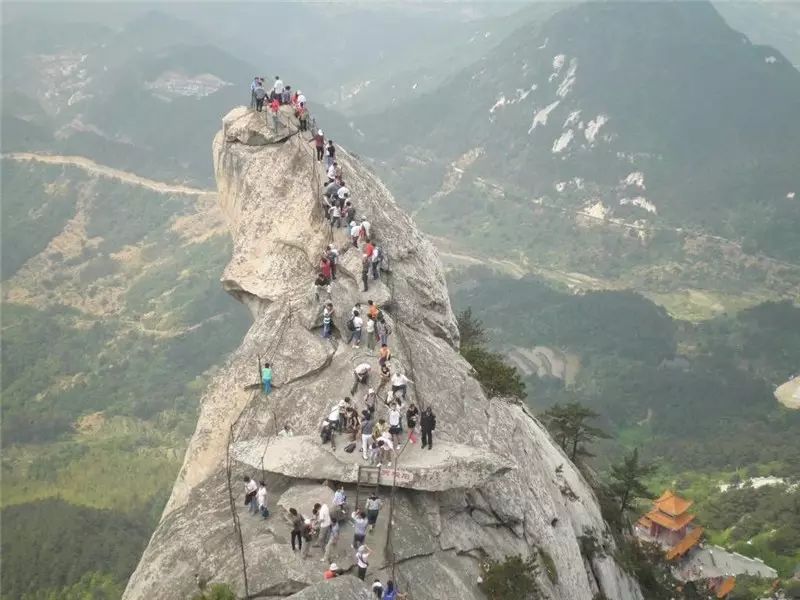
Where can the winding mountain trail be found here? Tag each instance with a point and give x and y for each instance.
(90, 166)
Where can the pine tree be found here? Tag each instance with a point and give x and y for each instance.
(568, 424)
(472, 330)
(626, 484)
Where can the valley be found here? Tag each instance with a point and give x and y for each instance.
(613, 190)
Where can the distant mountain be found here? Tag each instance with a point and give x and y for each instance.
(653, 113)
(146, 97)
(772, 22)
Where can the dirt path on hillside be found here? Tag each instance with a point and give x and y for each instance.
(111, 173)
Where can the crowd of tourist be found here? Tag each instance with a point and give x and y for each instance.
(380, 438)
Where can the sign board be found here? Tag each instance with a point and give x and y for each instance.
(403, 477)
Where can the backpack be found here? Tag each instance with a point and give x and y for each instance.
(388, 329)
(260, 93)
(379, 253)
(351, 326)
(350, 447)
(433, 422)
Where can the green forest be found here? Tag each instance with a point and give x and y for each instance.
(695, 397)
(99, 402)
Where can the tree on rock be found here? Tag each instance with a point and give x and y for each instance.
(568, 424)
(512, 579)
(626, 484)
(471, 329)
(496, 377)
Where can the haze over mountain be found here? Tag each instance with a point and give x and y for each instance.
(645, 192)
(654, 113)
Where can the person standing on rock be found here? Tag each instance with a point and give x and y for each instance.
(349, 213)
(322, 512)
(362, 561)
(274, 108)
(325, 266)
(383, 330)
(335, 216)
(365, 274)
(250, 489)
(298, 525)
(376, 258)
(321, 283)
(412, 417)
(371, 338)
(373, 507)
(260, 93)
(365, 227)
(261, 499)
(277, 89)
(367, 425)
(386, 375)
(253, 85)
(319, 144)
(354, 229)
(360, 525)
(395, 424)
(372, 309)
(360, 375)
(333, 540)
(369, 400)
(339, 501)
(327, 319)
(355, 324)
(302, 116)
(344, 405)
(266, 378)
(428, 424)
(330, 154)
(333, 255)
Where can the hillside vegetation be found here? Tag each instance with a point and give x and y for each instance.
(113, 321)
(697, 398)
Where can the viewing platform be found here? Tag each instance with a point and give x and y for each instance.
(445, 467)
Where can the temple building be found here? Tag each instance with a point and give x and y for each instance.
(670, 525)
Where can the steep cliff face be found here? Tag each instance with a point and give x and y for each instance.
(494, 484)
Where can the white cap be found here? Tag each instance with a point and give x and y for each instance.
(371, 391)
(334, 567)
(319, 131)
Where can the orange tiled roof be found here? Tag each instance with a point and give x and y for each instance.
(686, 544)
(671, 504)
(672, 523)
(726, 587)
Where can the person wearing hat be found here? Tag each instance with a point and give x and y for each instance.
(362, 560)
(333, 571)
(355, 228)
(319, 143)
(367, 426)
(369, 400)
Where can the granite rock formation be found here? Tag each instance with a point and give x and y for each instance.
(495, 483)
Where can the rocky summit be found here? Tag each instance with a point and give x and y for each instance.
(494, 484)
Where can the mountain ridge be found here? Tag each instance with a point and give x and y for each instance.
(541, 502)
